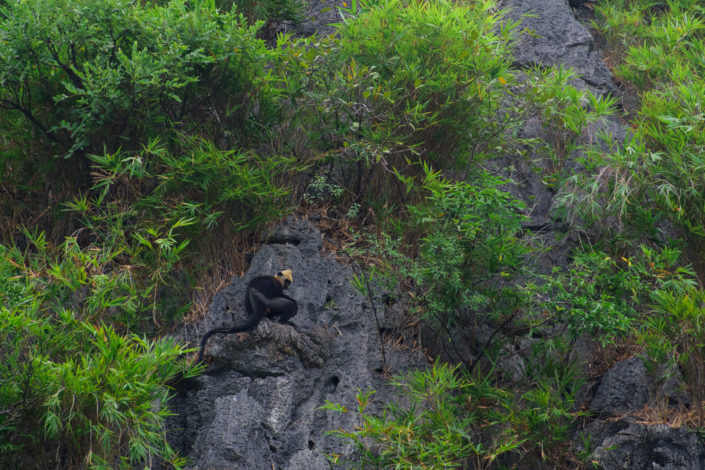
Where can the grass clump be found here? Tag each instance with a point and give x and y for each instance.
(405, 82)
(73, 390)
(440, 427)
(656, 174)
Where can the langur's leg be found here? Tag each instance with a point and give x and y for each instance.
(284, 307)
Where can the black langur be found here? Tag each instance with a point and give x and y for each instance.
(264, 296)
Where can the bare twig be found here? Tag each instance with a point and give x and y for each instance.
(374, 310)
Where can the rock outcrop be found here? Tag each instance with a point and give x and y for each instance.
(628, 445)
(257, 406)
(630, 386)
(555, 38)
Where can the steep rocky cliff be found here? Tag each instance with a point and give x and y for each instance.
(617, 440)
(258, 404)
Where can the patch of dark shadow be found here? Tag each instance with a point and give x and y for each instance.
(262, 374)
(390, 334)
(283, 238)
(674, 402)
(332, 384)
(272, 449)
(537, 334)
(388, 300)
(185, 385)
(379, 371)
(311, 445)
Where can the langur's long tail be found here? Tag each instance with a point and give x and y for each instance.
(248, 325)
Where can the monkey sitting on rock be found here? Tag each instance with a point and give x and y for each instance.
(264, 296)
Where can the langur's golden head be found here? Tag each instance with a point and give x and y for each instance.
(285, 277)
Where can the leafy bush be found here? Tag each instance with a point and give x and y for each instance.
(674, 334)
(658, 173)
(603, 296)
(94, 75)
(595, 297)
(565, 111)
(469, 244)
(647, 34)
(458, 256)
(72, 390)
(269, 10)
(544, 414)
(405, 81)
(447, 419)
(137, 95)
(150, 205)
(441, 427)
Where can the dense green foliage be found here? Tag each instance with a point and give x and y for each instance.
(634, 285)
(134, 97)
(602, 296)
(104, 75)
(468, 247)
(170, 130)
(404, 82)
(72, 389)
(439, 428)
(137, 127)
(658, 174)
(656, 179)
(271, 11)
(128, 134)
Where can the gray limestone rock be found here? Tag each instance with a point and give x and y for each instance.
(554, 37)
(627, 445)
(257, 406)
(629, 385)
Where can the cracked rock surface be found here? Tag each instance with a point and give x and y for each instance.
(258, 404)
(555, 37)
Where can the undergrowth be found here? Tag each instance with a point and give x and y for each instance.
(75, 391)
(142, 142)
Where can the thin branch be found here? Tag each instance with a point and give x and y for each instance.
(374, 310)
(28, 114)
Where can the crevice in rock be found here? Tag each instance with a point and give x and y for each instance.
(332, 384)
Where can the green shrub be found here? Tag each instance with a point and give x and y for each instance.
(596, 296)
(469, 244)
(565, 111)
(603, 296)
(72, 390)
(445, 418)
(648, 33)
(270, 10)
(674, 334)
(459, 257)
(442, 426)
(135, 95)
(145, 101)
(405, 81)
(96, 75)
(160, 210)
(544, 413)
(658, 173)
(198, 182)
